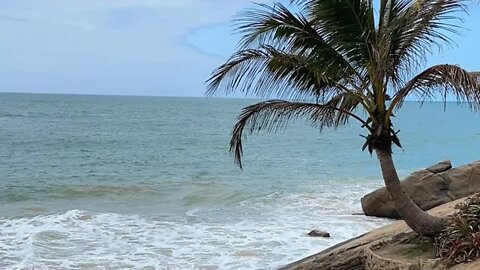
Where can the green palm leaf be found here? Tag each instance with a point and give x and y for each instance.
(443, 81)
(273, 115)
(278, 27)
(266, 72)
(409, 30)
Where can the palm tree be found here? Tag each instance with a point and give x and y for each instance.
(333, 61)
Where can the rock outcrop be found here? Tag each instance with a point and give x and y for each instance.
(428, 188)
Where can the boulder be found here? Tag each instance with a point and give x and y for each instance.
(440, 167)
(317, 233)
(430, 187)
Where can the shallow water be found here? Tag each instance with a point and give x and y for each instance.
(102, 182)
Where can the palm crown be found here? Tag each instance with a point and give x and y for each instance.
(334, 57)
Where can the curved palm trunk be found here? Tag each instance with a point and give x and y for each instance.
(417, 219)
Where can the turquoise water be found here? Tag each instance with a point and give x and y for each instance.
(95, 182)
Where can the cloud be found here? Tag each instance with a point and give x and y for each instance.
(145, 47)
(111, 46)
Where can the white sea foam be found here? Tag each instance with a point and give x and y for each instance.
(274, 236)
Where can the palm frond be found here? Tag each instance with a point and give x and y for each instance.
(348, 102)
(278, 27)
(443, 80)
(348, 25)
(266, 72)
(275, 25)
(273, 115)
(409, 30)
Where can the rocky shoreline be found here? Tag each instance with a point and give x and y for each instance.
(360, 253)
(395, 246)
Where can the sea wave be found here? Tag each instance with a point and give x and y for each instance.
(267, 238)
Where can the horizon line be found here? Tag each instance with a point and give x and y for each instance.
(171, 96)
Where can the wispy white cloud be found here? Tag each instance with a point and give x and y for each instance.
(115, 46)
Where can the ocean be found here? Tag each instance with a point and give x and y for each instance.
(118, 182)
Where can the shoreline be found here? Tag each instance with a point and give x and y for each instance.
(351, 254)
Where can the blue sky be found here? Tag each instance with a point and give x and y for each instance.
(136, 47)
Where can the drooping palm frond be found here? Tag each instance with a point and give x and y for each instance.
(266, 72)
(273, 115)
(443, 80)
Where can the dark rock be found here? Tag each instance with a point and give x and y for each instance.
(317, 233)
(428, 188)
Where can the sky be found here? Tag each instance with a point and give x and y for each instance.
(137, 47)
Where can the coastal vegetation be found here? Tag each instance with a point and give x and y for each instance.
(333, 61)
(459, 242)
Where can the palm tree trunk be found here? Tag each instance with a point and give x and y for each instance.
(417, 219)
